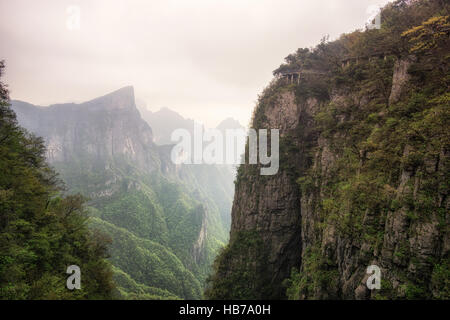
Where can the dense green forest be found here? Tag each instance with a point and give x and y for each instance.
(153, 227)
(154, 220)
(42, 232)
(370, 161)
(166, 223)
(363, 180)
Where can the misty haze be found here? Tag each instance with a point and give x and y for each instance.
(116, 123)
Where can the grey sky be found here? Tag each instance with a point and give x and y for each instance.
(206, 59)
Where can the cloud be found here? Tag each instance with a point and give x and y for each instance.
(207, 59)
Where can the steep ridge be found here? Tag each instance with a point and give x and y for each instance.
(164, 122)
(364, 170)
(103, 128)
(165, 228)
(216, 181)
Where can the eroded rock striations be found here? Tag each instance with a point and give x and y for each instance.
(364, 171)
(166, 221)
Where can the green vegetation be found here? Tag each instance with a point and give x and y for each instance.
(318, 275)
(376, 141)
(379, 148)
(440, 280)
(154, 222)
(141, 265)
(42, 232)
(166, 225)
(245, 253)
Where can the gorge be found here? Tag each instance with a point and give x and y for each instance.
(166, 222)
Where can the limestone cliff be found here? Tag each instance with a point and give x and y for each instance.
(364, 171)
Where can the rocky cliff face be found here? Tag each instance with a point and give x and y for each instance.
(271, 204)
(166, 222)
(266, 229)
(102, 129)
(363, 181)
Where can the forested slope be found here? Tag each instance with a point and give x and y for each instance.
(42, 231)
(164, 224)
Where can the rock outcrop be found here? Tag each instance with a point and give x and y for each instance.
(168, 220)
(103, 128)
(363, 181)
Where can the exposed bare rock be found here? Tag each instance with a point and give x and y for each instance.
(400, 78)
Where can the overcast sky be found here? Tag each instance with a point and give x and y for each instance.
(206, 59)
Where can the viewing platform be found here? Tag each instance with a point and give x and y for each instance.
(294, 75)
(352, 59)
(290, 76)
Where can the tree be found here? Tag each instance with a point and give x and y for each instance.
(42, 231)
(430, 35)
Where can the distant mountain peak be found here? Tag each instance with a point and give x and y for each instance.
(229, 123)
(122, 98)
(169, 112)
(104, 127)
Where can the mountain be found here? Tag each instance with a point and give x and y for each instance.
(164, 122)
(164, 220)
(364, 170)
(217, 180)
(101, 129)
(42, 231)
(229, 123)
